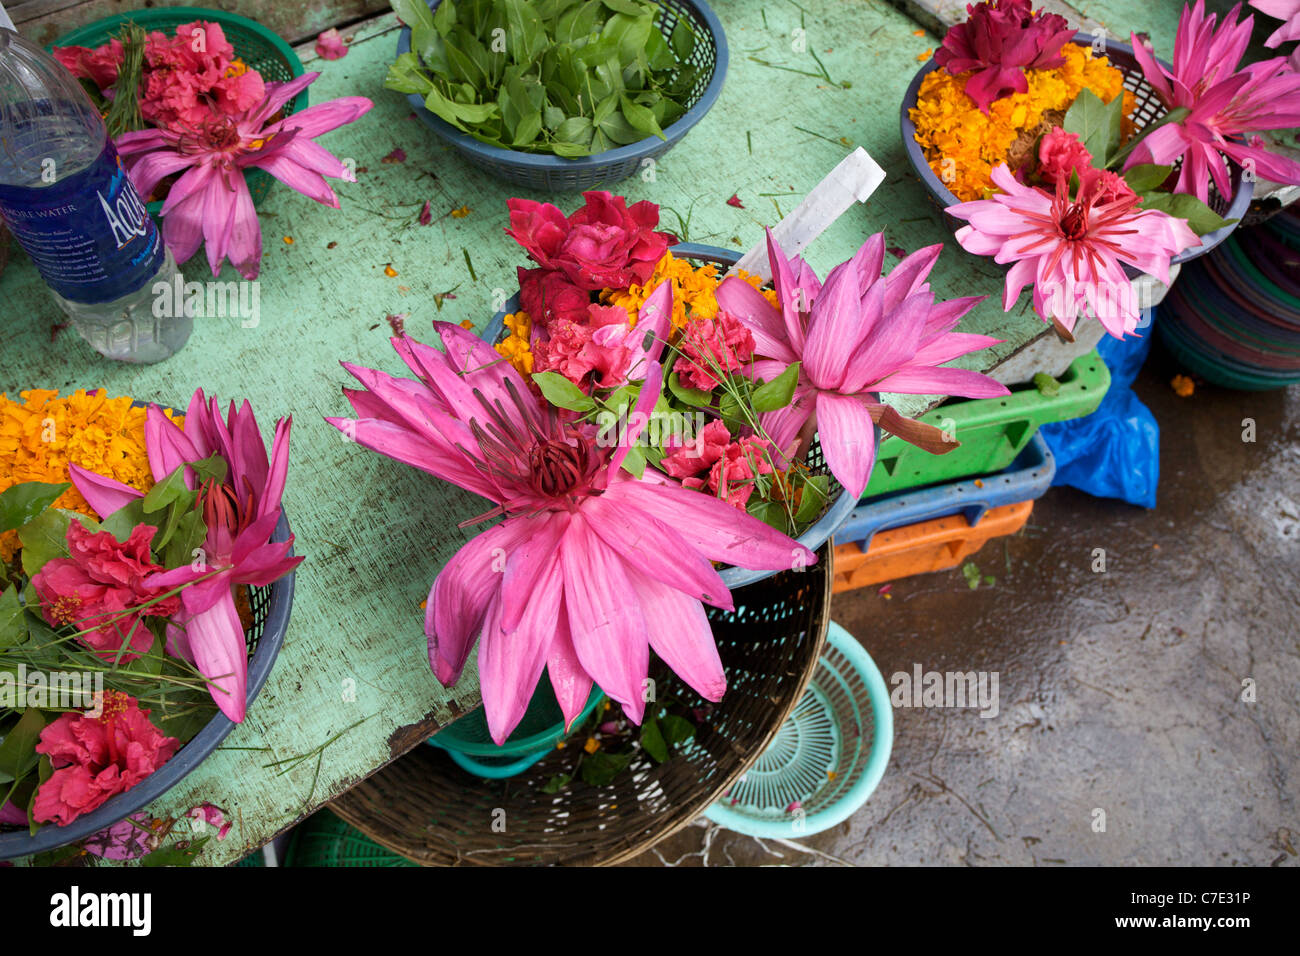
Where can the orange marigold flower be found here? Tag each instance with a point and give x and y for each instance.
(43, 433)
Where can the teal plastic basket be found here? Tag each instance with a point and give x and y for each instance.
(470, 744)
(828, 756)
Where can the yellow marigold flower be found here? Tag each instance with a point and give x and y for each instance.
(516, 347)
(963, 145)
(694, 291)
(42, 434)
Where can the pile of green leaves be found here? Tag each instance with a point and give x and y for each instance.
(173, 691)
(568, 77)
(1098, 126)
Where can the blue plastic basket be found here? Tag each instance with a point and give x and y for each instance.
(837, 508)
(1025, 479)
(271, 606)
(1149, 109)
(828, 756)
(557, 174)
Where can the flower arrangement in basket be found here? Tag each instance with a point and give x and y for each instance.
(131, 539)
(1033, 130)
(641, 424)
(191, 119)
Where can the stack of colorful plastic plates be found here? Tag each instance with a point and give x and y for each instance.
(1233, 317)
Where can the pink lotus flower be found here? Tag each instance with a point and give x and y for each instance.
(999, 40)
(711, 347)
(210, 200)
(95, 758)
(330, 46)
(604, 245)
(591, 568)
(1225, 105)
(856, 336)
(1073, 252)
(240, 514)
(98, 586)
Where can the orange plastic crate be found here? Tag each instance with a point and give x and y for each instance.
(933, 545)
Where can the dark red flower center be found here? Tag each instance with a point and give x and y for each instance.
(221, 507)
(1074, 223)
(221, 133)
(556, 467)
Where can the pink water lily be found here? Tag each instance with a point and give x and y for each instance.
(240, 513)
(590, 568)
(210, 202)
(1226, 106)
(1073, 251)
(856, 336)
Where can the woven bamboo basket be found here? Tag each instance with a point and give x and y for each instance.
(430, 811)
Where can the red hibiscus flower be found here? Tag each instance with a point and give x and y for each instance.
(1059, 155)
(95, 758)
(98, 65)
(96, 585)
(732, 476)
(998, 41)
(604, 245)
(692, 457)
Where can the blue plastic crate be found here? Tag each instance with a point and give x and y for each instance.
(1025, 479)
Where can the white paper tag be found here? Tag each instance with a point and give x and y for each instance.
(853, 180)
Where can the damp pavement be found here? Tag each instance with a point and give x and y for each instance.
(1120, 692)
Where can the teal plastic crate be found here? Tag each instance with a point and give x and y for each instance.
(991, 432)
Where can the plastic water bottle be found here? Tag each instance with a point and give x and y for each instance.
(69, 202)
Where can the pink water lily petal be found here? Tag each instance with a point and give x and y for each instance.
(681, 635)
(572, 684)
(746, 303)
(848, 439)
(608, 632)
(216, 639)
(105, 495)
(525, 567)
(167, 446)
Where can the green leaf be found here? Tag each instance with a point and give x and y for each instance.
(22, 502)
(17, 753)
(1146, 177)
(652, 740)
(641, 118)
(816, 491)
(562, 393)
(575, 129)
(683, 40)
(971, 572)
(444, 18)
(525, 37)
(627, 7)
(212, 468)
(1097, 124)
(13, 622)
(771, 513)
(459, 114)
(570, 150)
(122, 522)
(178, 854)
(406, 76)
(1200, 217)
(634, 461)
(601, 768)
(676, 730)
(166, 491)
(414, 13)
(190, 533)
(777, 393)
(529, 128)
(557, 783)
(45, 537)
(691, 396)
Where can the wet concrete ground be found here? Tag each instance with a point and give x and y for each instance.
(1119, 691)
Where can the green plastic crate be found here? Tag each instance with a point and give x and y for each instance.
(325, 840)
(991, 431)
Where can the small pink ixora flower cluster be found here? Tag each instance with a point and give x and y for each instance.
(208, 119)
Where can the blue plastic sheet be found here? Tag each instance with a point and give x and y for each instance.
(1115, 451)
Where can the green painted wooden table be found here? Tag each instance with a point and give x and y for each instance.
(352, 688)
